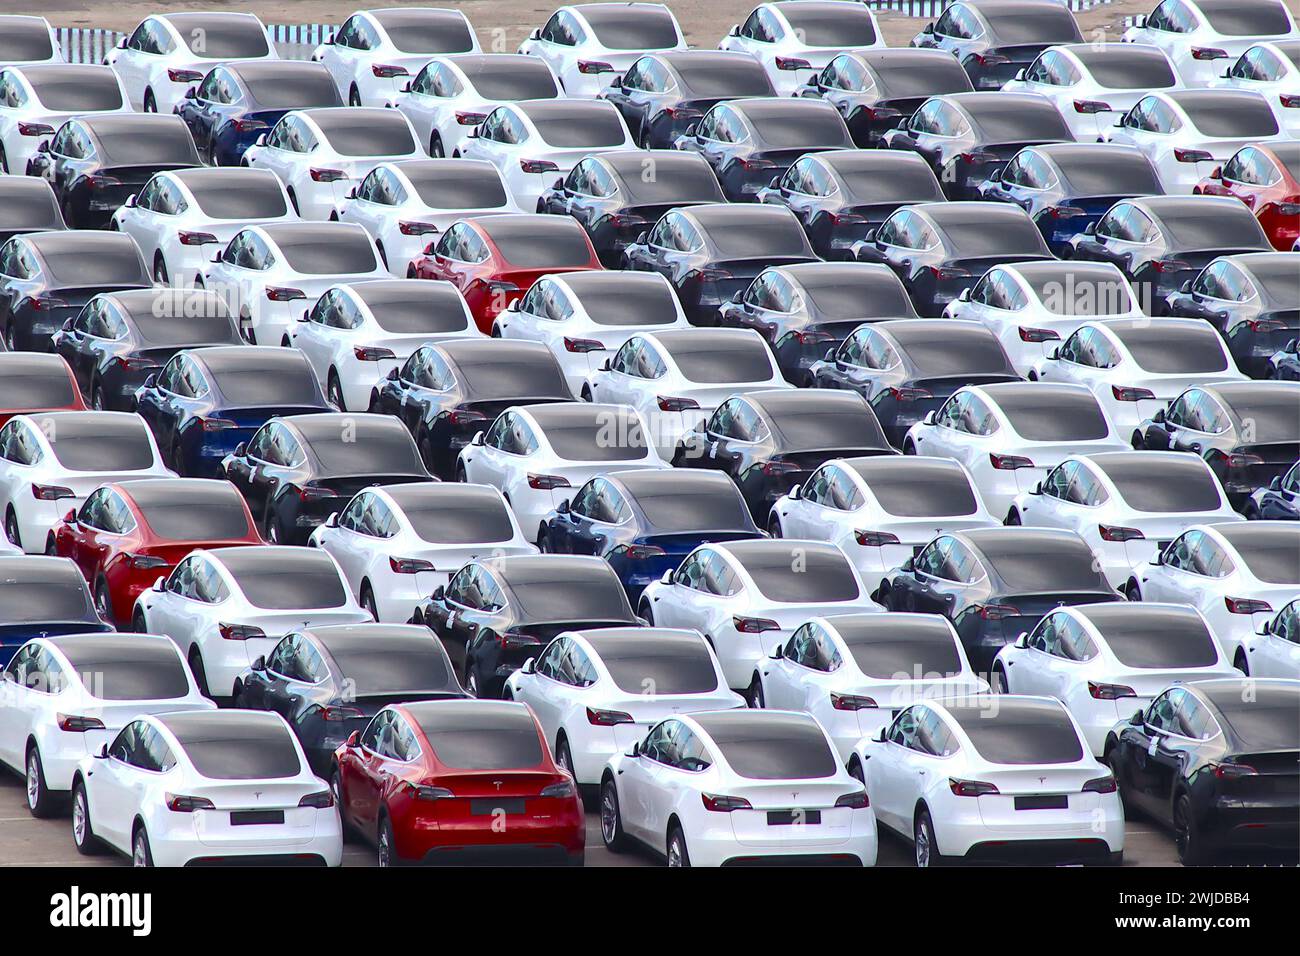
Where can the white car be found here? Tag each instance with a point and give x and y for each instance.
(1202, 36)
(36, 100)
(177, 789)
(183, 212)
(856, 672)
(397, 543)
(535, 142)
(737, 787)
(28, 39)
(268, 274)
(585, 317)
(1092, 83)
(1136, 367)
(881, 510)
(1274, 649)
(1105, 661)
(1187, 134)
(990, 778)
(587, 44)
(1033, 306)
(1009, 435)
(355, 334)
(454, 94)
(748, 597)
(322, 154)
(537, 454)
(1273, 70)
(598, 692)
(63, 698)
(227, 607)
(1237, 575)
(676, 379)
(375, 52)
(405, 205)
(50, 463)
(796, 41)
(168, 53)
(1128, 505)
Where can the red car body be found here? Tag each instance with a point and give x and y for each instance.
(37, 382)
(494, 260)
(120, 567)
(1273, 193)
(475, 787)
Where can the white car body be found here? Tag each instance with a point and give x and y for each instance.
(42, 120)
(581, 705)
(194, 616)
(32, 25)
(1068, 656)
(66, 488)
(1093, 501)
(1271, 70)
(903, 780)
(123, 799)
(383, 555)
(1024, 461)
(570, 46)
(673, 789)
(818, 672)
(1274, 649)
(1194, 32)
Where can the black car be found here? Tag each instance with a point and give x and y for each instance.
(1284, 364)
(995, 39)
(27, 204)
(121, 338)
(616, 196)
(495, 614)
(841, 194)
(770, 441)
(95, 163)
(298, 470)
(1280, 501)
(941, 249)
(907, 368)
(968, 137)
(662, 94)
(1216, 761)
(1252, 299)
(329, 681)
(446, 393)
(996, 583)
(748, 142)
(876, 90)
(1066, 187)
(1162, 242)
(709, 253)
(47, 277)
(803, 310)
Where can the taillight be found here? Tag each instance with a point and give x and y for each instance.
(281, 294)
(643, 552)
(327, 175)
(592, 67)
(1233, 771)
(996, 612)
(51, 492)
(776, 469)
(970, 788)
(790, 63)
(1117, 533)
(607, 718)
(538, 166)
(388, 71)
(1247, 606)
(247, 125)
(412, 228)
(186, 238)
(547, 482)
(1290, 100)
(128, 364)
(907, 393)
(145, 562)
(582, 346)
(320, 800)
(559, 791)
(1237, 459)
(1131, 393)
(1064, 212)
(1038, 335)
(875, 539)
(1098, 691)
(857, 800)
(979, 156)
(1171, 265)
(852, 702)
(991, 59)
(1104, 784)
(812, 337)
(216, 424)
(338, 714)
(1091, 106)
(35, 129)
(184, 76)
(847, 219)
(948, 272)
(316, 493)
(182, 804)
(1265, 325)
(720, 804)
(1192, 156)
(1009, 462)
(881, 112)
(240, 632)
(1208, 53)
(100, 181)
(73, 724)
(756, 163)
(671, 403)
(433, 793)
(465, 416)
(47, 303)
(372, 353)
(409, 565)
(754, 625)
(464, 118)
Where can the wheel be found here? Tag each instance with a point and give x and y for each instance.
(160, 270)
(435, 146)
(200, 675)
(611, 820)
(141, 855)
(460, 473)
(1132, 591)
(909, 447)
(103, 600)
(856, 771)
(586, 393)
(754, 695)
(543, 540)
(1000, 685)
(368, 600)
(774, 527)
(138, 624)
(1187, 837)
(237, 696)
(1112, 762)
(563, 757)
(927, 850)
(471, 680)
(678, 856)
(11, 340)
(11, 529)
(385, 845)
(97, 401)
(648, 614)
(334, 391)
(336, 789)
(354, 96)
(39, 800)
(293, 201)
(425, 447)
(150, 104)
(1239, 661)
(1250, 512)
(83, 837)
(1013, 518)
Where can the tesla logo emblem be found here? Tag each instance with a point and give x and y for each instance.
(794, 796)
(1042, 780)
(497, 784)
(257, 794)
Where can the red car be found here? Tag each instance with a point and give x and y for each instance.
(1267, 179)
(458, 782)
(129, 534)
(36, 382)
(494, 260)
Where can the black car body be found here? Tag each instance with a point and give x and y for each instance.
(43, 597)
(995, 39)
(121, 338)
(298, 470)
(448, 392)
(941, 249)
(1161, 242)
(495, 614)
(840, 195)
(616, 196)
(709, 253)
(27, 204)
(1280, 501)
(803, 310)
(1219, 763)
(907, 368)
(996, 583)
(47, 277)
(748, 142)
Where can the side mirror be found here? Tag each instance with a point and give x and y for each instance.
(528, 666)
(472, 134)
(1292, 347)
(1054, 355)
(406, 87)
(1136, 720)
(44, 147)
(690, 130)
(777, 653)
(1216, 172)
(329, 40)
(636, 750)
(775, 183)
(1090, 229)
(103, 752)
(130, 201)
(67, 323)
(642, 238)
(259, 664)
(964, 295)
(738, 296)
(563, 507)
(477, 440)
(1037, 489)
(734, 31)
(393, 374)
(909, 565)
(1020, 75)
(71, 516)
(439, 593)
(870, 235)
(930, 418)
(830, 355)
(880, 737)
(121, 44)
(191, 93)
(333, 520)
(261, 140)
(352, 193)
(1159, 417)
(241, 449)
(796, 492)
(216, 260)
(666, 577)
(513, 305)
(1141, 21)
(160, 584)
(1022, 640)
(354, 740)
(1186, 287)
(1275, 484)
(306, 315)
(604, 365)
(536, 34)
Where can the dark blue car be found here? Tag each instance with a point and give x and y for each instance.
(238, 102)
(645, 523)
(206, 401)
(42, 597)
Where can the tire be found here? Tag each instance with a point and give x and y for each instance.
(678, 855)
(648, 614)
(160, 270)
(856, 771)
(926, 849)
(141, 855)
(754, 695)
(83, 835)
(150, 104)
(334, 391)
(436, 149)
(909, 447)
(97, 397)
(1132, 591)
(564, 757)
(39, 799)
(104, 600)
(368, 600)
(471, 680)
(999, 682)
(11, 529)
(611, 818)
(774, 527)
(195, 660)
(385, 845)
(1239, 661)
(138, 623)
(1013, 519)
(1187, 838)
(336, 788)
(354, 96)
(460, 473)
(1111, 759)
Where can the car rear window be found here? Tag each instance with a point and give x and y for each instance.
(610, 436)
(43, 595)
(1155, 349)
(774, 749)
(1111, 176)
(154, 675)
(458, 188)
(1081, 292)
(1246, 19)
(404, 310)
(838, 296)
(982, 235)
(525, 78)
(828, 25)
(585, 597)
(1120, 69)
(29, 209)
(1060, 417)
(25, 40)
(726, 363)
(800, 127)
(938, 355)
(82, 444)
(260, 385)
(1015, 735)
(185, 515)
(1224, 227)
(640, 666)
(355, 449)
(375, 135)
(40, 387)
(1164, 486)
(574, 128)
(910, 656)
(79, 91)
(170, 326)
(802, 576)
(627, 304)
(694, 511)
(543, 248)
(1273, 558)
(1024, 24)
(297, 90)
(513, 378)
(339, 253)
(1279, 277)
(496, 744)
(1160, 639)
(815, 429)
(390, 667)
(77, 265)
(277, 583)
(1018, 122)
(484, 519)
(239, 754)
(1266, 721)
(674, 181)
(1043, 564)
(905, 182)
(625, 28)
(922, 77)
(1237, 116)
(724, 80)
(745, 236)
(250, 198)
(1275, 415)
(413, 31)
(919, 493)
(221, 37)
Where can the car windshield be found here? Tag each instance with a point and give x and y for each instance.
(457, 187)
(44, 594)
(787, 748)
(937, 489)
(338, 252)
(383, 134)
(1016, 735)
(1043, 564)
(173, 324)
(516, 377)
(277, 582)
(1165, 486)
(810, 576)
(87, 444)
(928, 76)
(239, 198)
(1063, 416)
(573, 127)
(619, 27)
(1156, 349)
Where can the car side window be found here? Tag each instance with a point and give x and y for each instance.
(376, 730)
(657, 743)
(932, 735)
(932, 557)
(181, 580)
